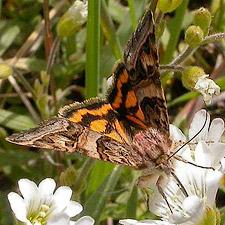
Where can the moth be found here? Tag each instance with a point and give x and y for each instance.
(129, 127)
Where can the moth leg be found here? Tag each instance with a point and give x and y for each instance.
(145, 182)
(180, 185)
(193, 164)
(159, 186)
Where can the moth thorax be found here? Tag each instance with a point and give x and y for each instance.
(152, 144)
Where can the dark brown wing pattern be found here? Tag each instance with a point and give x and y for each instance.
(64, 135)
(137, 94)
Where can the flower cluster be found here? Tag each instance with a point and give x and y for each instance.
(40, 205)
(192, 198)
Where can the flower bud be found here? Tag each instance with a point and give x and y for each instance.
(194, 35)
(202, 18)
(5, 71)
(168, 5)
(73, 19)
(194, 78)
(190, 76)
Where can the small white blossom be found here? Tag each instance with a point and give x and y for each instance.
(40, 205)
(207, 88)
(78, 11)
(73, 19)
(191, 194)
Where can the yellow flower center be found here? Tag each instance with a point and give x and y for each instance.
(40, 217)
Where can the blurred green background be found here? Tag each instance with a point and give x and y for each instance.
(51, 70)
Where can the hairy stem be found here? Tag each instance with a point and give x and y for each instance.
(188, 51)
(171, 68)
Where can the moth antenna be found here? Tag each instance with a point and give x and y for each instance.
(193, 164)
(190, 139)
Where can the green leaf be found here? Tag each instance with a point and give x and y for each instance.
(15, 121)
(132, 202)
(175, 30)
(99, 172)
(183, 98)
(8, 35)
(94, 206)
(93, 49)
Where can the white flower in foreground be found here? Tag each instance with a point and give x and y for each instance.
(208, 150)
(40, 205)
(207, 88)
(194, 78)
(191, 192)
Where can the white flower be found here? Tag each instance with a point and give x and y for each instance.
(78, 11)
(191, 192)
(188, 204)
(207, 88)
(209, 150)
(40, 206)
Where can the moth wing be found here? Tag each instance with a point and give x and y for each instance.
(64, 135)
(136, 92)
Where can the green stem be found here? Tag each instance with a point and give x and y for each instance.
(25, 83)
(110, 31)
(175, 30)
(93, 49)
(183, 56)
(133, 16)
(213, 38)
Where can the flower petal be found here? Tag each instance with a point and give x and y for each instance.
(73, 208)
(209, 155)
(197, 125)
(59, 219)
(216, 130)
(176, 134)
(18, 206)
(62, 198)
(212, 185)
(85, 220)
(193, 205)
(47, 186)
(28, 189)
(202, 154)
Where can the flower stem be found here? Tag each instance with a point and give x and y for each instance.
(171, 68)
(183, 56)
(189, 51)
(213, 38)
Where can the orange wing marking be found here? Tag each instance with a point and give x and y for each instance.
(77, 116)
(118, 134)
(131, 99)
(122, 80)
(99, 125)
